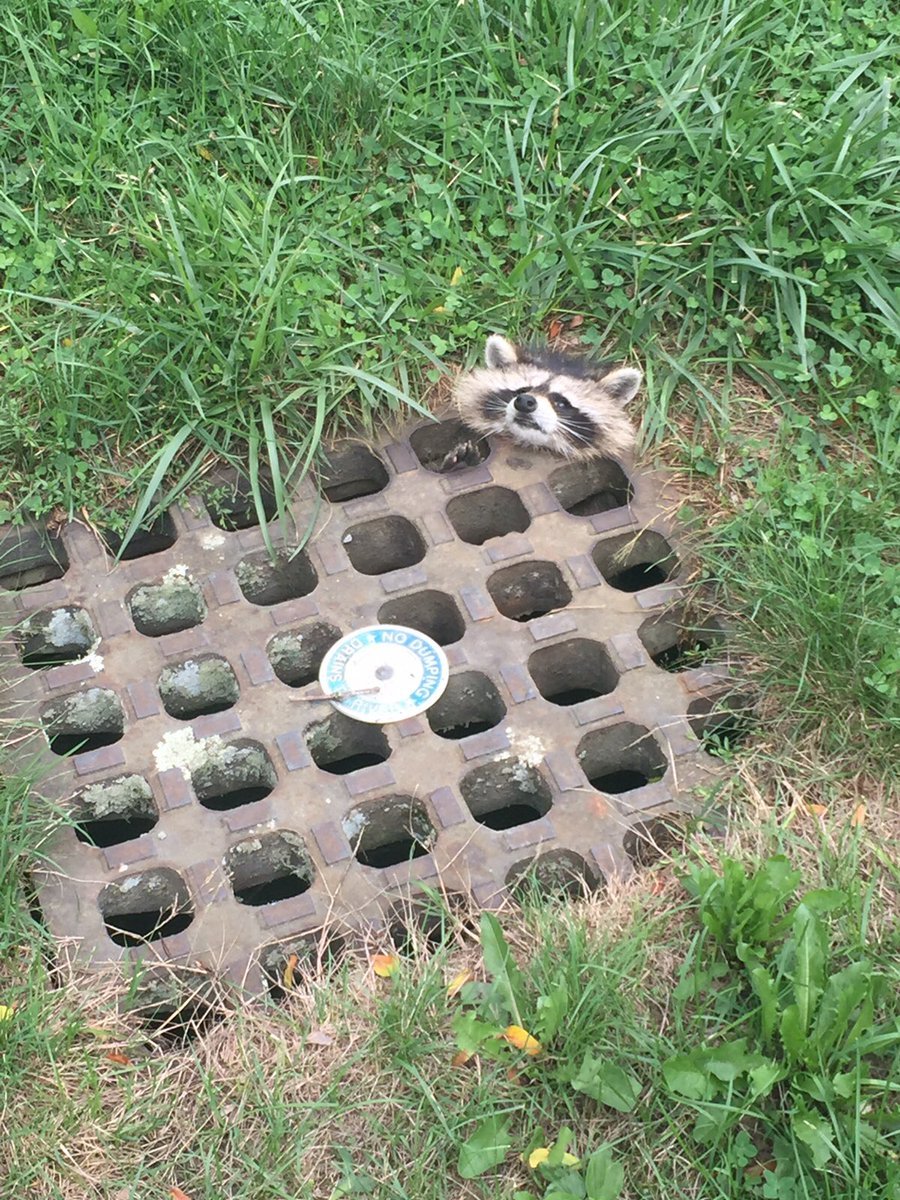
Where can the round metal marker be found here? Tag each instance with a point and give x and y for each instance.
(384, 673)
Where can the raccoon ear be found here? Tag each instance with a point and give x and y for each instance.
(622, 384)
(499, 352)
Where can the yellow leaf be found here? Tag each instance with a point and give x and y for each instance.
(290, 967)
(458, 982)
(67, 342)
(460, 1058)
(859, 816)
(6, 1011)
(817, 810)
(177, 1194)
(456, 276)
(385, 965)
(536, 1157)
(522, 1039)
(204, 153)
(440, 308)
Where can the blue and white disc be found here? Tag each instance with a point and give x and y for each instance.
(384, 673)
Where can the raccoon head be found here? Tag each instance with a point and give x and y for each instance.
(559, 402)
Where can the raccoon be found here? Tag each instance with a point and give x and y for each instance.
(546, 400)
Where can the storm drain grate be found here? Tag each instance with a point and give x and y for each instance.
(223, 815)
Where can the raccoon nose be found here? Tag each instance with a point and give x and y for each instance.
(525, 403)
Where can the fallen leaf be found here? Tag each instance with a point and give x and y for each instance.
(318, 1037)
(817, 810)
(456, 276)
(513, 1076)
(576, 322)
(755, 1170)
(68, 342)
(204, 153)
(555, 329)
(177, 1194)
(460, 1058)
(458, 982)
(536, 1157)
(440, 308)
(859, 816)
(290, 966)
(521, 1039)
(385, 965)
(6, 1011)
(116, 1056)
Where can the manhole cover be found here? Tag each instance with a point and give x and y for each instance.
(224, 811)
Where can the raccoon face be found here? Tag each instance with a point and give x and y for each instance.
(551, 401)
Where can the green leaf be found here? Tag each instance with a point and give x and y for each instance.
(729, 1061)
(766, 993)
(604, 1178)
(559, 1147)
(793, 1037)
(844, 992)
(607, 1083)
(501, 966)
(486, 1148)
(685, 1077)
(816, 1133)
(810, 948)
(85, 23)
(470, 1032)
(763, 1078)
(551, 1012)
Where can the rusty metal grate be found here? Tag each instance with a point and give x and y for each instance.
(223, 815)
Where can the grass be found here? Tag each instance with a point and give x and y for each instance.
(231, 230)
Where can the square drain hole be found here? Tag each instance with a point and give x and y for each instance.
(556, 874)
(528, 590)
(197, 687)
(114, 811)
(434, 613)
(341, 745)
(83, 721)
(648, 842)
(159, 535)
(676, 646)
(230, 503)
(173, 604)
(721, 722)
(488, 513)
(389, 831)
(265, 582)
(30, 556)
(438, 446)
(383, 545)
(621, 757)
(289, 964)
(263, 870)
(471, 704)
(297, 654)
(54, 637)
(146, 907)
(505, 794)
(226, 775)
(350, 471)
(573, 671)
(586, 488)
(632, 562)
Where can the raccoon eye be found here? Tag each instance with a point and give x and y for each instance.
(560, 402)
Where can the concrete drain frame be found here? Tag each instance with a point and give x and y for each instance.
(223, 817)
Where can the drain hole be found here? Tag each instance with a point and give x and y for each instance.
(48, 639)
(176, 603)
(385, 832)
(721, 722)
(160, 534)
(471, 704)
(490, 513)
(296, 656)
(631, 563)
(198, 686)
(621, 757)
(30, 556)
(84, 721)
(350, 471)
(423, 926)
(647, 843)
(446, 445)
(114, 811)
(265, 869)
(572, 671)
(178, 1004)
(233, 773)
(230, 503)
(528, 590)
(288, 965)
(265, 582)
(504, 795)
(675, 646)
(385, 544)
(146, 907)
(597, 486)
(433, 613)
(340, 745)
(557, 874)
